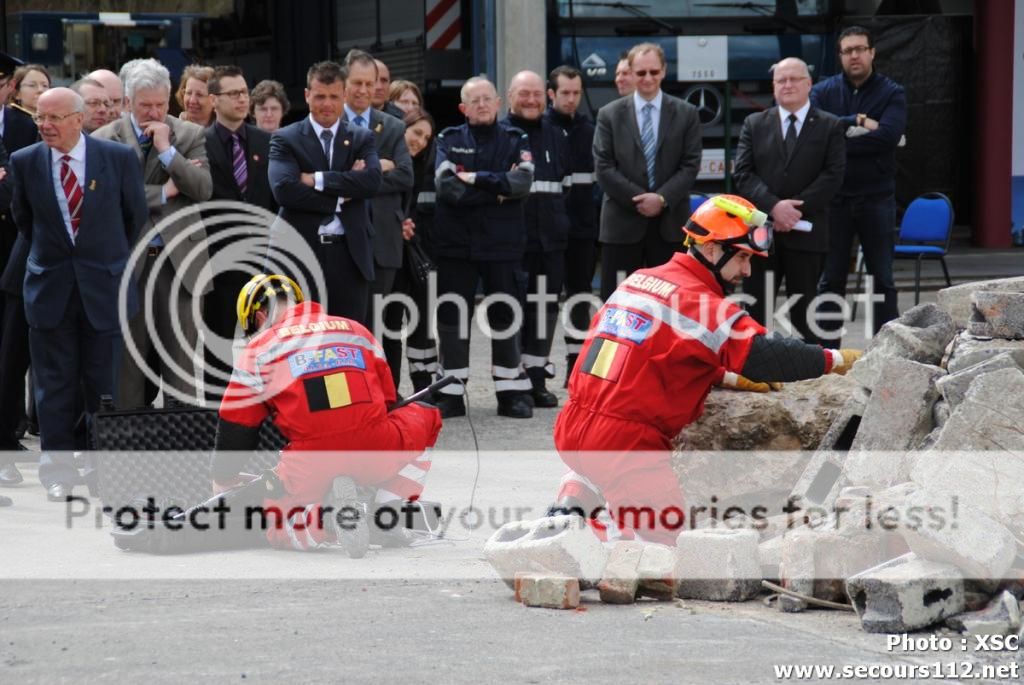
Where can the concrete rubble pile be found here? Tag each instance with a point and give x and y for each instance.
(912, 466)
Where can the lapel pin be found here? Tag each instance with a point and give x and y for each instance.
(255, 158)
(378, 128)
(92, 184)
(345, 143)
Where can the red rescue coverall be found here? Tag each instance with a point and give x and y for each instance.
(326, 382)
(652, 354)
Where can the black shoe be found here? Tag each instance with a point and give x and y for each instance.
(33, 428)
(22, 428)
(348, 519)
(420, 380)
(450, 405)
(10, 475)
(543, 398)
(567, 505)
(58, 492)
(518, 406)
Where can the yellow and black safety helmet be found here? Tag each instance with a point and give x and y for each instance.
(257, 294)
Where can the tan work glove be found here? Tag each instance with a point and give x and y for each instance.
(843, 359)
(734, 381)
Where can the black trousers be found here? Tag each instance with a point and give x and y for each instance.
(580, 264)
(545, 275)
(652, 250)
(800, 270)
(220, 323)
(347, 291)
(14, 363)
(384, 280)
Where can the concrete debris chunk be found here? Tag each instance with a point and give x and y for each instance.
(968, 351)
(920, 335)
(621, 579)
(657, 572)
(997, 314)
(905, 594)
(954, 386)
(718, 565)
(556, 544)
(899, 412)
(547, 591)
(818, 562)
(1000, 617)
(956, 300)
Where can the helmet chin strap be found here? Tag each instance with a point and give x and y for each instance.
(728, 252)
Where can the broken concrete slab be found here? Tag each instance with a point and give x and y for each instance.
(991, 415)
(1001, 617)
(920, 335)
(718, 565)
(898, 414)
(905, 594)
(954, 386)
(956, 300)
(950, 531)
(996, 314)
(818, 562)
(621, 578)
(770, 554)
(547, 590)
(657, 569)
(968, 350)
(555, 544)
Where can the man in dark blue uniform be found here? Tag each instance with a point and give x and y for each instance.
(483, 171)
(547, 229)
(565, 89)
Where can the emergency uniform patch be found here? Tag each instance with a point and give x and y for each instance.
(326, 359)
(605, 359)
(622, 323)
(336, 390)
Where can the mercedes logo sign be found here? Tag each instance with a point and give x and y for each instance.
(708, 102)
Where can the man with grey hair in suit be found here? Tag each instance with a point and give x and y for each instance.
(647, 150)
(176, 173)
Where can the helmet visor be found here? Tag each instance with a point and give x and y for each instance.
(760, 237)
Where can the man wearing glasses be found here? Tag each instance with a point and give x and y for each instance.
(647, 151)
(789, 162)
(97, 105)
(873, 110)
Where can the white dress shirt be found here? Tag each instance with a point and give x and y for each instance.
(334, 227)
(801, 115)
(77, 165)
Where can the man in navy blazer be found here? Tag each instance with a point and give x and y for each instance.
(322, 173)
(80, 204)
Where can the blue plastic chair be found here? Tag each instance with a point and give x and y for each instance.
(925, 233)
(696, 200)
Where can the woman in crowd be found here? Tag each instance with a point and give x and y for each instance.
(405, 95)
(269, 105)
(194, 96)
(29, 81)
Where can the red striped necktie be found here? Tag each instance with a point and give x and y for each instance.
(73, 193)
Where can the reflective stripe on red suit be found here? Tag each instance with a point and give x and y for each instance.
(652, 354)
(326, 382)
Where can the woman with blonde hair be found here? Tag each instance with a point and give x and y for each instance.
(405, 95)
(193, 95)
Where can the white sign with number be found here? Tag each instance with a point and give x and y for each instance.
(703, 58)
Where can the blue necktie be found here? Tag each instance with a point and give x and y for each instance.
(647, 140)
(359, 120)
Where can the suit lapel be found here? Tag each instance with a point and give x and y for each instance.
(95, 171)
(634, 127)
(342, 146)
(775, 131)
(314, 148)
(220, 163)
(810, 121)
(44, 165)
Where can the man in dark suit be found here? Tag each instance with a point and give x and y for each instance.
(322, 173)
(171, 156)
(790, 162)
(647, 150)
(80, 204)
(239, 155)
(387, 206)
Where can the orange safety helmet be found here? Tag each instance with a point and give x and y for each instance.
(732, 221)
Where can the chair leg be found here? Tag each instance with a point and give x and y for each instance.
(942, 260)
(860, 278)
(917, 281)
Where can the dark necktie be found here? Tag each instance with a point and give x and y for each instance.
(326, 137)
(241, 172)
(359, 121)
(791, 136)
(146, 143)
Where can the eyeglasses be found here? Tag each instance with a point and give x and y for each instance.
(655, 73)
(483, 100)
(788, 80)
(52, 118)
(99, 103)
(855, 50)
(234, 94)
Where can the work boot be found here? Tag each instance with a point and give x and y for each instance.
(348, 518)
(570, 363)
(517, 405)
(420, 380)
(542, 397)
(567, 505)
(450, 405)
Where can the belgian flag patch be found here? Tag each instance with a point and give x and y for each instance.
(605, 359)
(335, 390)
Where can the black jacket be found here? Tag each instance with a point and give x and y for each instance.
(580, 203)
(547, 219)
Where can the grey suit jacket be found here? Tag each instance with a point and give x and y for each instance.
(194, 185)
(813, 173)
(388, 205)
(622, 169)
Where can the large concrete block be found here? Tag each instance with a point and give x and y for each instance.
(821, 480)
(990, 417)
(954, 386)
(718, 565)
(953, 532)
(657, 570)
(547, 591)
(968, 350)
(997, 314)
(621, 579)
(818, 562)
(905, 594)
(920, 335)
(556, 544)
(1000, 617)
(956, 300)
